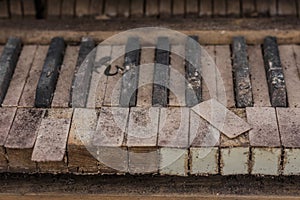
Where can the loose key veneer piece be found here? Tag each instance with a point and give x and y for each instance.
(221, 118)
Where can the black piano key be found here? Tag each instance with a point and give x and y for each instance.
(8, 62)
(130, 77)
(161, 72)
(274, 72)
(242, 83)
(193, 91)
(82, 80)
(50, 73)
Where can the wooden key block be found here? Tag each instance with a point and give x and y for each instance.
(142, 140)
(173, 140)
(233, 8)
(204, 143)
(264, 140)
(50, 147)
(205, 7)
(67, 8)
(21, 139)
(4, 9)
(82, 8)
(6, 119)
(137, 8)
(143, 160)
(80, 158)
(109, 139)
(288, 122)
(234, 153)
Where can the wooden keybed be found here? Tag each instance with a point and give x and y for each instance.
(100, 9)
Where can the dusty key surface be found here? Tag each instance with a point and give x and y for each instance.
(28, 95)
(173, 140)
(142, 140)
(84, 123)
(50, 145)
(19, 77)
(21, 138)
(109, 138)
(62, 95)
(264, 140)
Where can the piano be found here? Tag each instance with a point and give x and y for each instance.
(121, 100)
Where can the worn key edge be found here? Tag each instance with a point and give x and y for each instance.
(50, 72)
(8, 62)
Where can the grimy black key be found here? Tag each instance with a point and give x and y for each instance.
(242, 82)
(8, 62)
(50, 73)
(130, 77)
(82, 79)
(274, 72)
(161, 72)
(193, 93)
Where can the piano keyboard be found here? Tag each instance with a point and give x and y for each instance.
(48, 93)
(99, 9)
